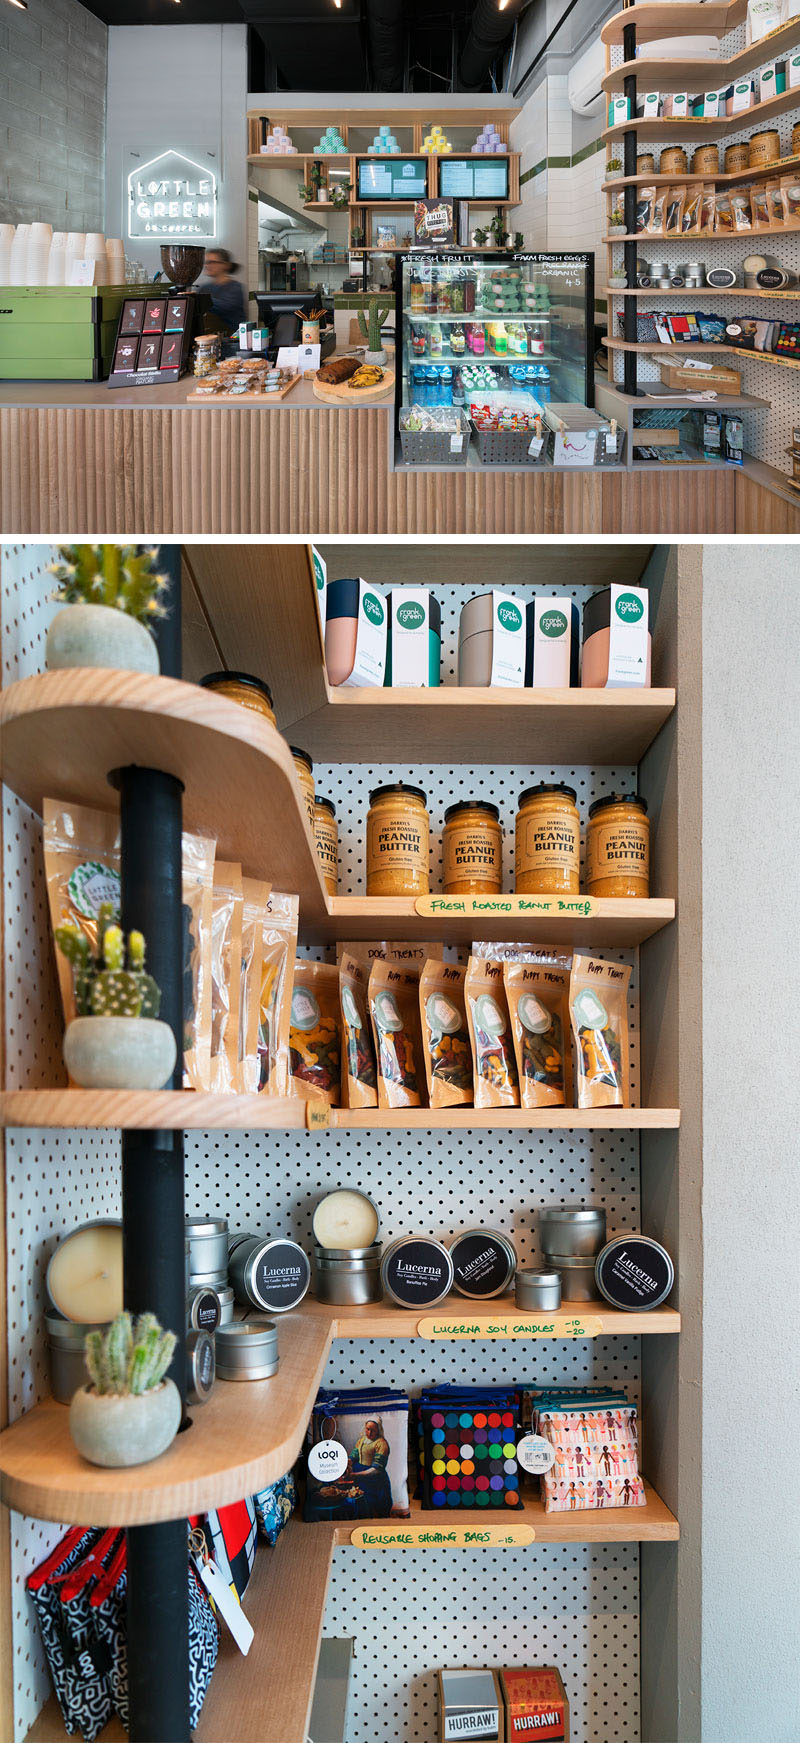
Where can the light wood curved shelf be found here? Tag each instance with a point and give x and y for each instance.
(669, 129)
(655, 18)
(185, 1110)
(622, 923)
(699, 75)
(382, 1319)
(653, 1523)
(658, 350)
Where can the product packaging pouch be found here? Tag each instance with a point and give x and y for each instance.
(366, 1475)
(275, 1505)
(198, 903)
(445, 1035)
(359, 1072)
(226, 975)
(394, 1013)
(538, 1007)
(278, 951)
(494, 1065)
(315, 1056)
(255, 895)
(598, 1002)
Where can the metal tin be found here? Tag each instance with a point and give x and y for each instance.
(572, 1233)
(200, 1367)
(247, 1349)
(273, 1275)
(484, 1263)
(577, 1279)
(208, 1246)
(537, 1291)
(68, 1369)
(416, 1271)
(634, 1273)
(102, 1222)
(225, 1299)
(204, 1310)
(348, 1279)
(346, 1252)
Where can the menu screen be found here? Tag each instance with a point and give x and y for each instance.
(393, 178)
(460, 178)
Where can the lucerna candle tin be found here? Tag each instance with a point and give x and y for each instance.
(484, 1263)
(247, 1349)
(537, 1290)
(417, 1271)
(346, 1221)
(200, 1367)
(634, 1273)
(65, 1340)
(348, 1279)
(271, 1274)
(572, 1232)
(207, 1238)
(83, 1280)
(577, 1278)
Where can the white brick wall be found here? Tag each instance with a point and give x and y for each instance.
(52, 115)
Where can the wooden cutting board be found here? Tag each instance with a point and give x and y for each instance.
(243, 398)
(344, 394)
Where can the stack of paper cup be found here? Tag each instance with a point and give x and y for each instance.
(6, 239)
(57, 261)
(37, 253)
(96, 250)
(75, 250)
(115, 260)
(19, 255)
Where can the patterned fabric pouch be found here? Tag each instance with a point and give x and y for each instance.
(44, 1592)
(88, 1656)
(275, 1506)
(108, 1603)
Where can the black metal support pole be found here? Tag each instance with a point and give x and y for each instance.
(629, 321)
(158, 1633)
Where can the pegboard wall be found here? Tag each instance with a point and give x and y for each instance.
(576, 1606)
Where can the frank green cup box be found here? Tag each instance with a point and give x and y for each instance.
(628, 633)
(470, 1705)
(366, 607)
(320, 569)
(154, 338)
(619, 109)
(415, 638)
(553, 643)
(651, 106)
(536, 1705)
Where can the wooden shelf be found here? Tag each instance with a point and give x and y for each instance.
(764, 172)
(672, 241)
(508, 1119)
(707, 291)
(656, 348)
(644, 402)
(656, 18)
(702, 75)
(246, 1436)
(669, 129)
(651, 1523)
(285, 1602)
(183, 1110)
(616, 923)
(384, 1320)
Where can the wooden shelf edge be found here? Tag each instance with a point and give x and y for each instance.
(384, 1320)
(691, 74)
(652, 1523)
(509, 1119)
(655, 348)
(186, 1110)
(680, 17)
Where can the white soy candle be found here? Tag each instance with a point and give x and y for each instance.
(345, 1221)
(84, 1276)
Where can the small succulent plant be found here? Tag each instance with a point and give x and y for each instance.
(129, 1358)
(122, 576)
(340, 195)
(371, 320)
(104, 986)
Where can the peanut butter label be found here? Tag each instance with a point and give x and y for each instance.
(471, 852)
(512, 907)
(494, 1534)
(548, 844)
(327, 845)
(396, 844)
(618, 847)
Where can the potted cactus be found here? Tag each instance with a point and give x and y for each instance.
(613, 168)
(111, 594)
(130, 1413)
(116, 1041)
(370, 321)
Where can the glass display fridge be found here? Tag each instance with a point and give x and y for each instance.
(504, 330)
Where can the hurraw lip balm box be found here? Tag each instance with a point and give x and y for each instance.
(536, 1706)
(470, 1706)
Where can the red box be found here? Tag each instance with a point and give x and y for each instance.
(536, 1705)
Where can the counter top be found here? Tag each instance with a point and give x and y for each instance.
(173, 396)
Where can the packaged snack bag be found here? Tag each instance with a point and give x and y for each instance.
(315, 1056)
(538, 1006)
(692, 208)
(278, 949)
(656, 224)
(740, 206)
(81, 867)
(644, 207)
(359, 1072)
(759, 205)
(598, 1002)
(790, 198)
(445, 1036)
(709, 206)
(494, 1065)
(255, 896)
(394, 1011)
(674, 210)
(777, 215)
(198, 885)
(723, 216)
(226, 975)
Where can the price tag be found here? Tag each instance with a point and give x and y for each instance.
(512, 907)
(287, 356)
(612, 443)
(497, 1535)
(226, 1603)
(535, 446)
(535, 1454)
(308, 356)
(327, 1460)
(318, 1114)
(510, 1327)
(456, 441)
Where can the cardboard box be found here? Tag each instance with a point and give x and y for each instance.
(678, 379)
(536, 1705)
(470, 1706)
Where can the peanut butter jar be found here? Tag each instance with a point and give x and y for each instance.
(618, 846)
(304, 769)
(326, 835)
(472, 849)
(241, 687)
(398, 839)
(548, 841)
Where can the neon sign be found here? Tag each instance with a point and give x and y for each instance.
(172, 198)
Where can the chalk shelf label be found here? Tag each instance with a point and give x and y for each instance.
(494, 1534)
(511, 1327)
(318, 1114)
(515, 907)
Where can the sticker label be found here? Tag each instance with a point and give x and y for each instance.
(535, 1454)
(488, 1536)
(327, 1460)
(318, 1114)
(514, 907)
(92, 884)
(508, 641)
(627, 646)
(511, 1327)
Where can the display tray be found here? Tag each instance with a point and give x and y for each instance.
(344, 394)
(229, 398)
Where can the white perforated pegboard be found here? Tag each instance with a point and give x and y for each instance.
(577, 1607)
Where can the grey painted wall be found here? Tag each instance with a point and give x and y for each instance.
(184, 88)
(52, 115)
(751, 1035)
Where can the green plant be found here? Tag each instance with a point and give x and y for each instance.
(480, 238)
(340, 195)
(614, 166)
(317, 174)
(371, 320)
(104, 987)
(307, 192)
(617, 220)
(498, 229)
(357, 235)
(122, 576)
(129, 1359)
(519, 241)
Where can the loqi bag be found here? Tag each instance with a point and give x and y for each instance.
(274, 1507)
(708, 206)
(43, 1587)
(538, 1006)
(598, 1002)
(494, 1065)
(445, 1036)
(359, 1071)
(315, 1055)
(255, 896)
(372, 1425)
(226, 974)
(394, 1012)
(278, 951)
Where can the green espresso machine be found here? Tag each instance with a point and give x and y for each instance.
(60, 332)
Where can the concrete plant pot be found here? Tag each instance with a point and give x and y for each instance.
(119, 1052)
(99, 635)
(378, 358)
(116, 1429)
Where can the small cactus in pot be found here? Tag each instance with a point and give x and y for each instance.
(370, 321)
(116, 1041)
(112, 594)
(130, 1412)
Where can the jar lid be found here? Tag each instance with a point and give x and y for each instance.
(203, 1227)
(398, 787)
(547, 787)
(246, 678)
(565, 1213)
(341, 599)
(302, 756)
(634, 799)
(326, 804)
(472, 805)
(538, 1274)
(634, 1272)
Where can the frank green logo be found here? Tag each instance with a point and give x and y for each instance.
(373, 608)
(411, 616)
(553, 624)
(629, 608)
(509, 615)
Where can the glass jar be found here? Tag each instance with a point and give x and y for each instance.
(326, 835)
(398, 835)
(618, 846)
(472, 849)
(206, 354)
(304, 769)
(241, 687)
(548, 841)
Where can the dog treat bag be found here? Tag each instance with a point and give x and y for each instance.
(255, 896)
(494, 1065)
(445, 1036)
(359, 1073)
(278, 949)
(394, 1011)
(538, 1006)
(598, 1002)
(226, 975)
(314, 1045)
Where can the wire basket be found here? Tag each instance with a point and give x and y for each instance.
(435, 447)
(509, 447)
